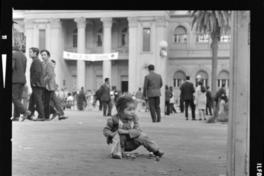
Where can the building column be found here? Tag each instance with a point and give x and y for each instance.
(107, 40)
(132, 70)
(238, 125)
(81, 24)
(161, 31)
(56, 49)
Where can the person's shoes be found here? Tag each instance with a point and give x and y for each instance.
(186, 118)
(200, 119)
(158, 153)
(193, 119)
(116, 156)
(204, 118)
(40, 119)
(26, 115)
(108, 114)
(15, 119)
(53, 116)
(63, 117)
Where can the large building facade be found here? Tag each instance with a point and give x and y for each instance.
(135, 35)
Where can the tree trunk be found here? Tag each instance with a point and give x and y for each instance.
(214, 47)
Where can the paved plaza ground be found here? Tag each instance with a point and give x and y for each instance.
(77, 147)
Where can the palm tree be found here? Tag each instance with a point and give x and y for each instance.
(214, 23)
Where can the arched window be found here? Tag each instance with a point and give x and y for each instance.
(223, 78)
(74, 38)
(180, 35)
(178, 78)
(99, 37)
(202, 38)
(225, 38)
(204, 78)
(124, 37)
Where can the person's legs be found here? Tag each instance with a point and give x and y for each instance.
(16, 99)
(181, 105)
(109, 104)
(187, 102)
(210, 108)
(100, 105)
(149, 144)
(47, 96)
(167, 108)
(57, 104)
(32, 103)
(104, 105)
(203, 114)
(192, 109)
(38, 95)
(200, 114)
(157, 108)
(151, 102)
(172, 108)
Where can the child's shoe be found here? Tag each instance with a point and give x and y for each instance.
(159, 153)
(116, 156)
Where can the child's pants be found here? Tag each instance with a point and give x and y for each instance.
(131, 144)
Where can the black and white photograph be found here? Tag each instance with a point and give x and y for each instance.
(130, 93)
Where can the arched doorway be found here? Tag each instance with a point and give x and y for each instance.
(204, 77)
(223, 78)
(178, 78)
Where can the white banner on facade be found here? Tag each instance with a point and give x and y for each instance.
(90, 57)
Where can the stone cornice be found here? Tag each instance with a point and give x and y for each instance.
(55, 23)
(81, 22)
(161, 21)
(29, 23)
(132, 21)
(107, 22)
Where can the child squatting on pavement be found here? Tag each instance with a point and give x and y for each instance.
(123, 132)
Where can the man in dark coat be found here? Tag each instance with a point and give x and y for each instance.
(19, 63)
(104, 93)
(37, 84)
(81, 99)
(209, 101)
(151, 91)
(168, 95)
(97, 97)
(187, 90)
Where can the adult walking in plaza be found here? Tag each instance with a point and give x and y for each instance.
(97, 97)
(81, 100)
(49, 81)
(19, 63)
(172, 101)
(37, 84)
(56, 108)
(151, 91)
(219, 93)
(187, 90)
(104, 94)
(168, 95)
(209, 101)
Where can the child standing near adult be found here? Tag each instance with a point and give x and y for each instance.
(124, 131)
(201, 103)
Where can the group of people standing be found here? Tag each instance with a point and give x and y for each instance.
(201, 98)
(42, 81)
